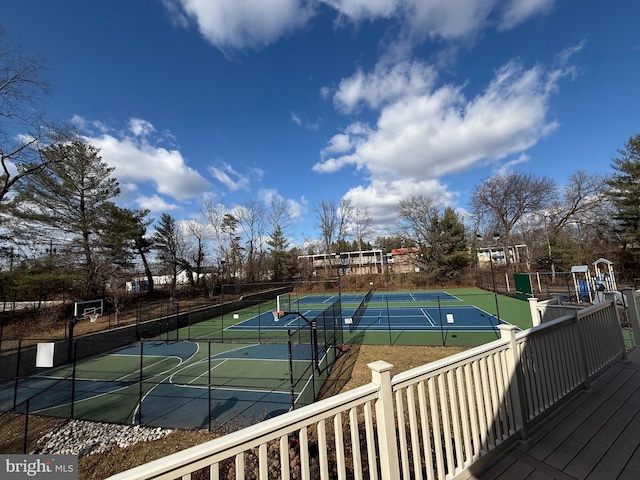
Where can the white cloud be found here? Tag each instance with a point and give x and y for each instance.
(517, 11)
(381, 197)
(306, 124)
(155, 203)
(140, 127)
(364, 9)
(295, 208)
(242, 24)
(234, 180)
(296, 119)
(432, 131)
(508, 166)
(385, 84)
(140, 160)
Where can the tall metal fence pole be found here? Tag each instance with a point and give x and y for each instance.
(140, 390)
(259, 323)
(73, 377)
(389, 322)
(26, 428)
(291, 378)
(209, 388)
(15, 386)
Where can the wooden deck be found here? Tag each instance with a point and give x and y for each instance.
(595, 436)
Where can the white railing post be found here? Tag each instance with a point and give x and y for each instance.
(582, 345)
(533, 308)
(611, 297)
(385, 420)
(516, 382)
(633, 314)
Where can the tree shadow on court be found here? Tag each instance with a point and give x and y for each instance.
(221, 408)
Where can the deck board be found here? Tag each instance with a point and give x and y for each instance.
(594, 436)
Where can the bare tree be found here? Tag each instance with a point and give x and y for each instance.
(583, 194)
(500, 202)
(24, 131)
(361, 225)
(333, 221)
(214, 215)
(194, 250)
(572, 210)
(416, 215)
(251, 219)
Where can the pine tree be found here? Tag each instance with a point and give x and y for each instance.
(625, 192)
(71, 197)
(167, 241)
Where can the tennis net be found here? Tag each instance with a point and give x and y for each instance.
(357, 315)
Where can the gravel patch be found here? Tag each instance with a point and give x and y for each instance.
(80, 437)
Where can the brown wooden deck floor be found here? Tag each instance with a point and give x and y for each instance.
(595, 436)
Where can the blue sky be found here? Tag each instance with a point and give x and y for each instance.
(231, 101)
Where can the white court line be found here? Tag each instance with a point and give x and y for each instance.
(205, 373)
(428, 317)
(296, 319)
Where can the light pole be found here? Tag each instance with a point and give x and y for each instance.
(496, 238)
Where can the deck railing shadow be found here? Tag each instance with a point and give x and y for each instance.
(446, 419)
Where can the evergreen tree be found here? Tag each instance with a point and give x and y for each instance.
(278, 246)
(167, 243)
(71, 197)
(625, 194)
(124, 236)
(450, 244)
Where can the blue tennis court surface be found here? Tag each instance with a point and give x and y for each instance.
(427, 318)
(450, 317)
(176, 406)
(379, 297)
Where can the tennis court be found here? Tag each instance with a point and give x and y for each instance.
(392, 297)
(376, 317)
(454, 318)
(247, 365)
(183, 384)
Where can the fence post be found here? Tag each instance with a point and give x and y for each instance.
(385, 420)
(633, 314)
(17, 380)
(582, 344)
(291, 378)
(209, 388)
(73, 377)
(533, 308)
(518, 392)
(140, 389)
(26, 428)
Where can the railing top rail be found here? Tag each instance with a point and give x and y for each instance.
(409, 377)
(253, 436)
(562, 321)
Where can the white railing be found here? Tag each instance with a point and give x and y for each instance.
(632, 301)
(446, 419)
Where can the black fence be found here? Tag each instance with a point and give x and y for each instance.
(133, 386)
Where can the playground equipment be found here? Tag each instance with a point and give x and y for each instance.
(605, 276)
(591, 288)
(582, 284)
